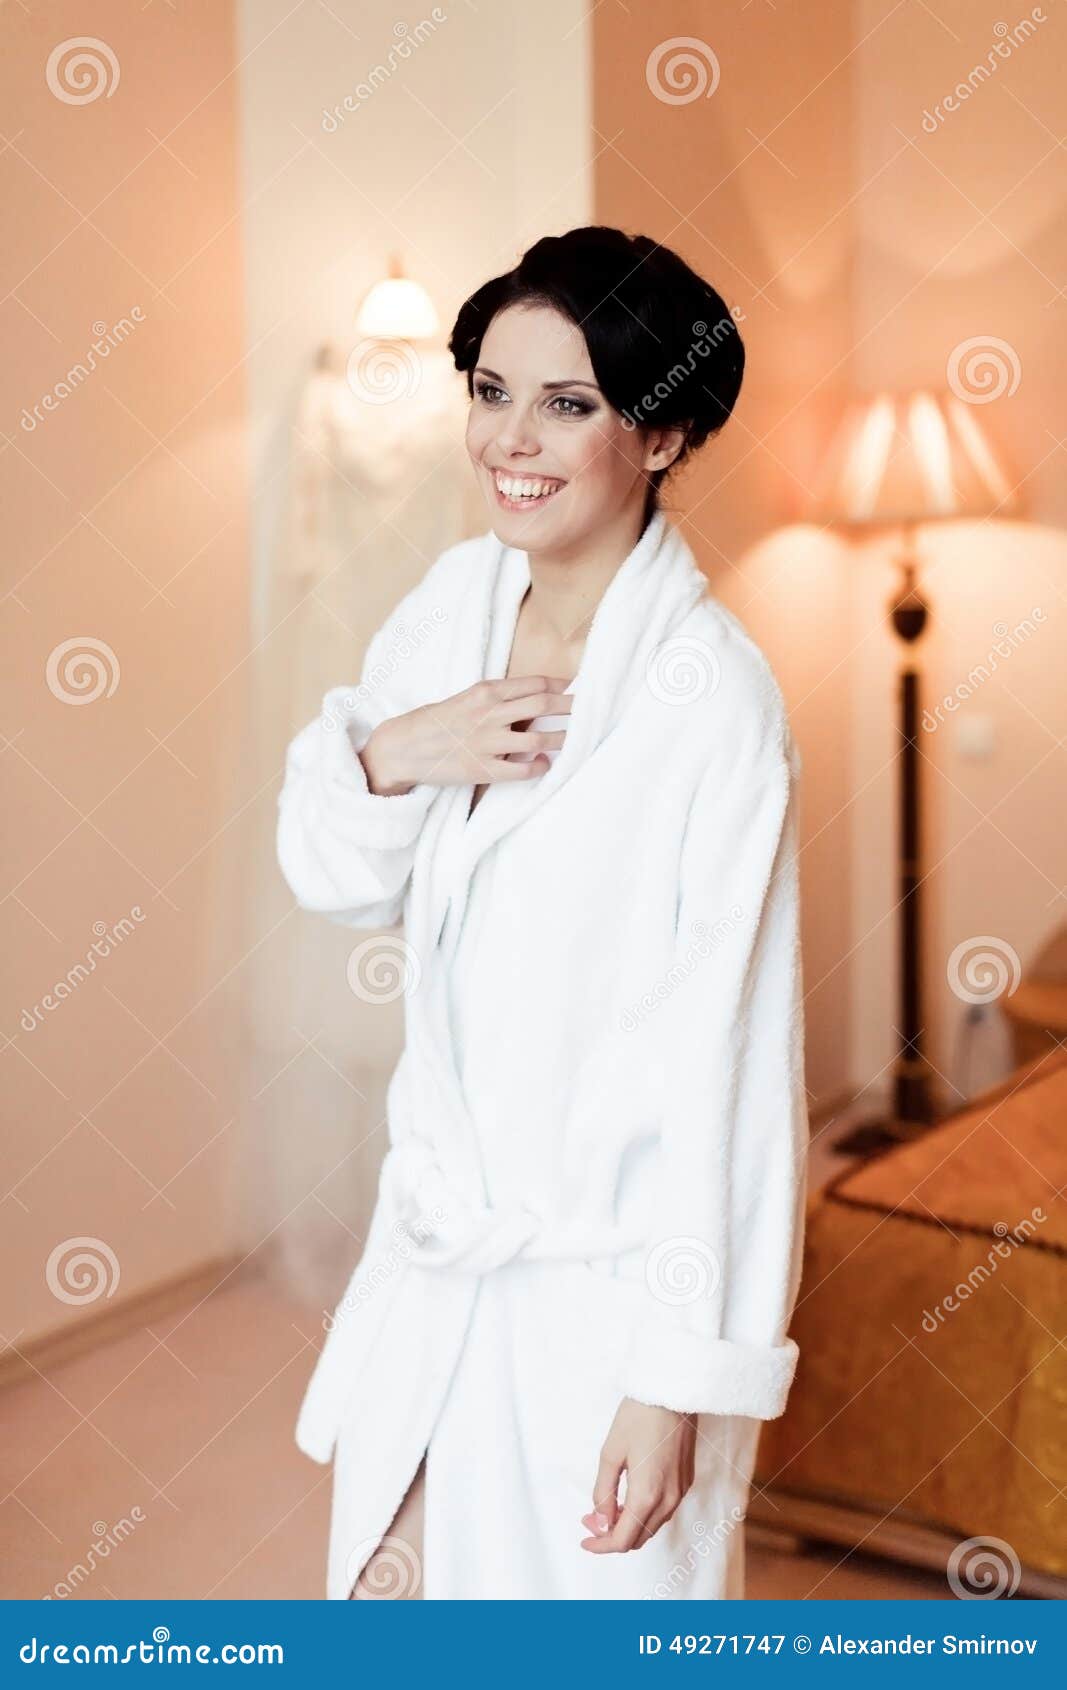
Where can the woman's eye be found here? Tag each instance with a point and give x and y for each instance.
(566, 406)
(578, 407)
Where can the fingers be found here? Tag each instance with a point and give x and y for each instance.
(522, 686)
(537, 697)
(605, 1509)
(518, 740)
(639, 1518)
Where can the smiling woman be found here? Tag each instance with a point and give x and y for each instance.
(600, 363)
(547, 1375)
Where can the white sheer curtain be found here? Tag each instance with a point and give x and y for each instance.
(376, 490)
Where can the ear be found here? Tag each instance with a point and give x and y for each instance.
(662, 446)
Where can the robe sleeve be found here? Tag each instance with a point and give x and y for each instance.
(346, 852)
(722, 1264)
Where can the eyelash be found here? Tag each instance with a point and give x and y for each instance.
(582, 408)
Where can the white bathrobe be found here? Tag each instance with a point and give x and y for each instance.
(595, 1180)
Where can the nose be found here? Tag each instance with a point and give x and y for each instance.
(517, 435)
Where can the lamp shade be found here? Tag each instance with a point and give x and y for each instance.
(397, 308)
(911, 457)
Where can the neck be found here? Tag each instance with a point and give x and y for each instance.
(568, 582)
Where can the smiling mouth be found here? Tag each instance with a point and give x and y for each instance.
(525, 492)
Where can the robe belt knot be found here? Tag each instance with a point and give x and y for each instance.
(447, 1228)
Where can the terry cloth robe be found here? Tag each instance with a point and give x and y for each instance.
(594, 1185)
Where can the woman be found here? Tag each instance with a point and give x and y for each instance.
(547, 1375)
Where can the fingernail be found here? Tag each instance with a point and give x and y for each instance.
(596, 1522)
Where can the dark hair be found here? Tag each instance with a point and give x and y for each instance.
(664, 347)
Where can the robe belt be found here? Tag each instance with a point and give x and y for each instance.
(450, 1230)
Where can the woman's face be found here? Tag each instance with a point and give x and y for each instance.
(554, 460)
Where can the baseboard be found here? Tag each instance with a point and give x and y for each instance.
(105, 1325)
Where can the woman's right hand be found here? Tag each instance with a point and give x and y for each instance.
(469, 738)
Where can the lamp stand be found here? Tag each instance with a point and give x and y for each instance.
(912, 1106)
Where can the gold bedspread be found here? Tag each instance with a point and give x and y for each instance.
(932, 1380)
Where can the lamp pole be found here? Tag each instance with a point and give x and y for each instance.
(912, 1105)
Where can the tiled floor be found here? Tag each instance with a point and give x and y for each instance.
(169, 1454)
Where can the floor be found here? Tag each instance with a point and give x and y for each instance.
(162, 1464)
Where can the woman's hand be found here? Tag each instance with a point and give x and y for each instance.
(656, 1446)
(468, 738)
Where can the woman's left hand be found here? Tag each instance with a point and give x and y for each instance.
(656, 1447)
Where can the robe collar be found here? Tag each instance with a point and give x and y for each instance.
(650, 594)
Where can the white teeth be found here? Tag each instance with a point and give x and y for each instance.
(515, 489)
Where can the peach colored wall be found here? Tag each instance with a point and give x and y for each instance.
(763, 224)
(960, 235)
(469, 148)
(125, 526)
(863, 250)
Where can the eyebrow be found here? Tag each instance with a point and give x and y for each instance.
(548, 385)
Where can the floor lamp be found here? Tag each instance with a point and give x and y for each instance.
(902, 460)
